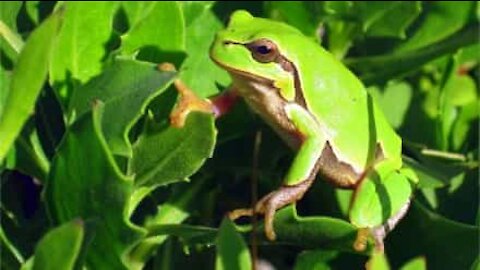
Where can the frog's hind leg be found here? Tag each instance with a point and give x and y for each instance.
(379, 233)
(380, 203)
(275, 200)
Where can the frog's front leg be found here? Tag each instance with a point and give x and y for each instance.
(189, 101)
(300, 175)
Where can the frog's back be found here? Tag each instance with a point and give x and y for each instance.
(350, 117)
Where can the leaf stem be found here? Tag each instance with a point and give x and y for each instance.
(11, 37)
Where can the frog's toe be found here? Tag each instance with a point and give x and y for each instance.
(238, 213)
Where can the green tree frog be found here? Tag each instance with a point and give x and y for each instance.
(322, 111)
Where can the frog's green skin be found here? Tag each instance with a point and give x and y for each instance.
(312, 101)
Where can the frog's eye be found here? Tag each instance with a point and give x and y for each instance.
(263, 50)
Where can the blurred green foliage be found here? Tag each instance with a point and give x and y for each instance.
(91, 168)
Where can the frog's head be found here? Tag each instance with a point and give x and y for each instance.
(258, 50)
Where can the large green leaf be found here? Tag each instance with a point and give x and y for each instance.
(232, 252)
(59, 248)
(86, 183)
(165, 154)
(25, 84)
(80, 47)
(125, 87)
(156, 30)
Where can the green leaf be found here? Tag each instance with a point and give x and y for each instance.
(32, 8)
(8, 13)
(174, 211)
(313, 232)
(378, 261)
(441, 20)
(430, 232)
(232, 252)
(387, 18)
(6, 243)
(394, 101)
(49, 121)
(5, 80)
(296, 13)
(415, 264)
(25, 84)
(378, 198)
(198, 70)
(428, 176)
(385, 67)
(190, 235)
(125, 87)
(156, 31)
(27, 155)
(11, 42)
(314, 260)
(164, 154)
(85, 182)
(60, 247)
(194, 9)
(80, 47)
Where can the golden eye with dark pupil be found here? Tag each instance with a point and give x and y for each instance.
(263, 50)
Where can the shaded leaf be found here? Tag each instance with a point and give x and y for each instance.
(27, 155)
(385, 67)
(387, 18)
(232, 252)
(190, 235)
(314, 232)
(314, 260)
(441, 20)
(174, 211)
(25, 84)
(429, 232)
(60, 247)
(14, 252)
(85, 182)
(8, 13)
(125, 87)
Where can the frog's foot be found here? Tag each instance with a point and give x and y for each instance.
(188, 102)
(380, 232)
(273, 201)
